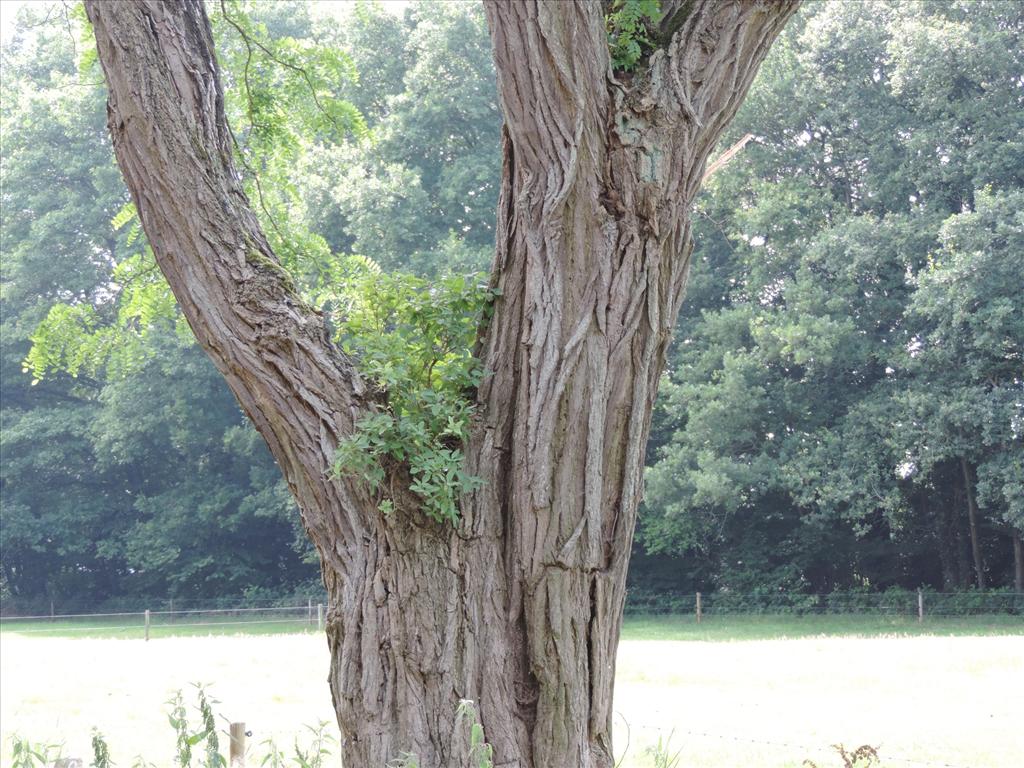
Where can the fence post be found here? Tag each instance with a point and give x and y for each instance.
(171, 609)
(51, 609)
(309, 610)
(320, 617)
(920, 605)
(699, 612)
(147, 625)
(237, 748)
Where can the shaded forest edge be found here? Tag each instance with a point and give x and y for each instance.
(843, 410)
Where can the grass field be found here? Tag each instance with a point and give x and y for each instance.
(712, 629)
(782, 627)
(733, 691)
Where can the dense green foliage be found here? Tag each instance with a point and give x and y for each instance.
(128, 468)
(854, 326)
(851, 341)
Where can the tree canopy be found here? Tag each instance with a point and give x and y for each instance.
(851, 339)
(847, 379)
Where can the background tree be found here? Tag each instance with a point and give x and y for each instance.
(110, 458)
(420, 196)
(851, 350)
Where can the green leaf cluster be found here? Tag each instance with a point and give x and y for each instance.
(413, 339)
(312, 756)
(481, 753)
(629, 24)
(27, 754)
(100, 751)
(76, 338)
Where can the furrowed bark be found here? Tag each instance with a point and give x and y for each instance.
(592, 255)
(517, 608)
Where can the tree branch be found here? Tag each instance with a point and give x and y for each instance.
(173, 144)
(712, 51)
(548, 58)
(715, 51)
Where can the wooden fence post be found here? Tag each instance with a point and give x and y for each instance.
(309, 610)
(920, 605)
(147, 625)
(320, 617)
(237, 749)
(699, 611)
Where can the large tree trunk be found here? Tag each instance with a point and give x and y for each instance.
(518, 607)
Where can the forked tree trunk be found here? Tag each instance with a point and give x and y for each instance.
(518, 607)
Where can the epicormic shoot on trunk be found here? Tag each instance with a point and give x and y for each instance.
(412, 339)
(630, 25)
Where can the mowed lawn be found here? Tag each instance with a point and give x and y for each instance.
(732, 692)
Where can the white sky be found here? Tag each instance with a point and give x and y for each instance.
(336, 8)
(8, 10)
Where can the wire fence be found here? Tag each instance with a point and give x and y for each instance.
(147, 623)
(895, 602)
(20, 607)
(180, 616)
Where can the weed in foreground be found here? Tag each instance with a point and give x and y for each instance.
(25, 754)
(661, 753)
(100, 751)
(195, 747)
(481, 754)
(864, 756)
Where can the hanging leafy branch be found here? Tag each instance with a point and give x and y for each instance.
(283, 97)
(91, 337)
